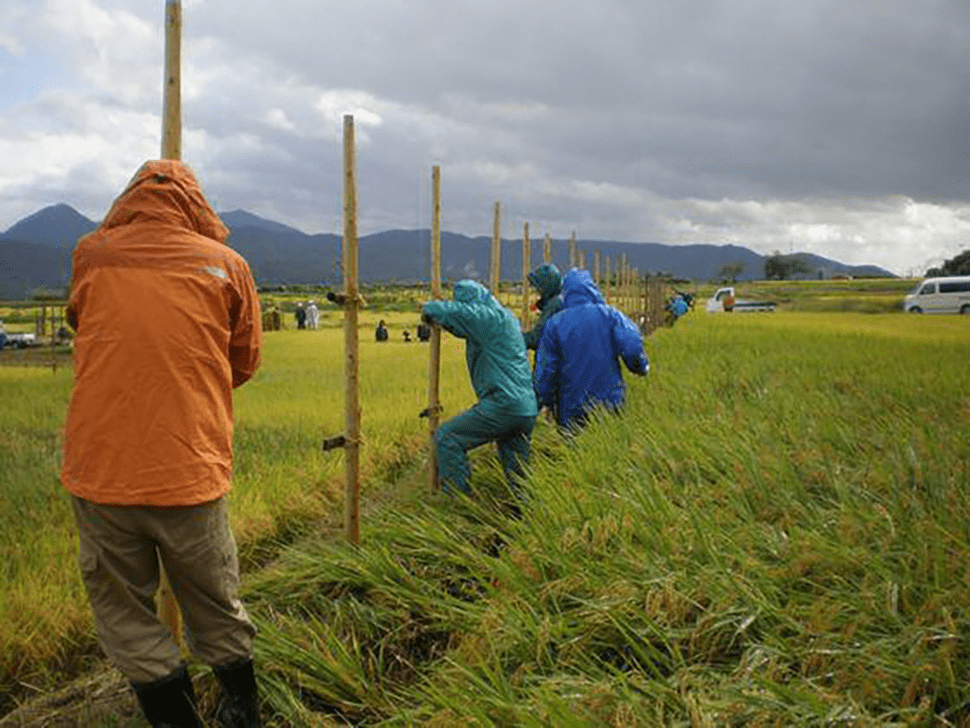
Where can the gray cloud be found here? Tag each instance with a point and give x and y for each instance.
(818, 125)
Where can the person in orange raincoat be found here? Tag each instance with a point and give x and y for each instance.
(167, 323)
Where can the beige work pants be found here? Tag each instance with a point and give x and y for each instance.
(119, 552)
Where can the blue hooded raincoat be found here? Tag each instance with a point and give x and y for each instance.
(577, 365)
(501, 377)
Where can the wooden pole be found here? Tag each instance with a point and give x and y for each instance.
(351, 343)
(630, 298)
(547, 249)
(435, 340)
(496, 250)
(582, 259)
(172, 87)
(168, 609)
(631, 277)
(629, 284)
(620, 284)
(625, 283)
(608, 274)
(596, 268)
(526, 259)
(512, 233)
(620, 290)
(53, 339)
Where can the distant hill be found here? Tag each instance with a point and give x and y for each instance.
(57, 226)
(36, 252)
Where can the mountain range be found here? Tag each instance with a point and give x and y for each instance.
(35, 253)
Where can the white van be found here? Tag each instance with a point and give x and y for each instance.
(940, 295)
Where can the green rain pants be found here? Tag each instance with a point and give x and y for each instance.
(481, 424)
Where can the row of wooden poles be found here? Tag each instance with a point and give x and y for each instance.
(642, 296)
(622, 286)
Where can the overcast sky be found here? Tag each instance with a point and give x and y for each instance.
(830, 126)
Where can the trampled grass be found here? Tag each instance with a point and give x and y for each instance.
(774, 531)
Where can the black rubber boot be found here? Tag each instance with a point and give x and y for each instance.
(169, 702)
(238, 707)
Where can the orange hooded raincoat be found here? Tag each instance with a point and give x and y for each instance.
(168, 322)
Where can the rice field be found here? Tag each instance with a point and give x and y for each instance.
(774, 531)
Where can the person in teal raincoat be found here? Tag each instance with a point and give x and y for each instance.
(547, 281)
(502, 379)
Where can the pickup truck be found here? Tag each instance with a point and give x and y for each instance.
(715, 304)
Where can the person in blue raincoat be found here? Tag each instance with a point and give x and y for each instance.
(547, 280)
(676, 307)
(502, 379)
(578, 361)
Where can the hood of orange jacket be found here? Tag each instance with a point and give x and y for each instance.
(167, 322)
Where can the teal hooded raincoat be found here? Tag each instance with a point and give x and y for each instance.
(547, 280)
(501, 377)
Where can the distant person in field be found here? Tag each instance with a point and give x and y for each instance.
(407, 336)
(424, 332)
(168, 323)
(676, 307)
(272, 320)
(578, 361)
(547, 281)
(502, 379)
(380, 333)
(300, 315)
(312, 315)
(679, 305)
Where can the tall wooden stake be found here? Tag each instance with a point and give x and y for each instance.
(172, 85)
(608, 274)
(622, 284)
(547, 249)
(596, 268)
(54, 339)
(168, 609)
(496, 271)
(435, 340)
(351, 342)
(526, 259)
